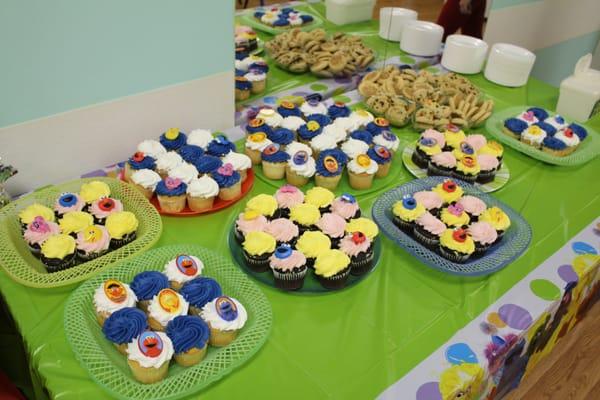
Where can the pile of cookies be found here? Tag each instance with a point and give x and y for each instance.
(430, 101)
(341, 55)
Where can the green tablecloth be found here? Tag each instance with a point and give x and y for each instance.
(355, 343)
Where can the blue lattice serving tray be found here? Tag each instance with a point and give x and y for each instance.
(513, 244)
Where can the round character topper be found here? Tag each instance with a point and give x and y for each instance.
(358, 237)
(466, 148)
(409, 202)
(271, 149)
(348, 198)
(67, 200)
(226, 308)
(168, 299)
(288, 105)
(460, 235)
(186, 265)
(138, 156)
(381, 122)
(115, 291)
(283, 251)
(300, 157)
(106, 204)
(172, 133)
(330, 164)
(363, 160)
(256, 122)
(449, 186)
(150, 344)
(92, 234)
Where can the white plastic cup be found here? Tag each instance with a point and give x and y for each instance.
(392, 21)
(422, 38)
(509, 65)
(464, 54)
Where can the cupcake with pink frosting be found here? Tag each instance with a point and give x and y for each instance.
(37, 232)
(436, 135)
(333, 226)
(488, 165)
(359, 248)
(92, 242)
(104, 207)
(476, 141)
(430, 200)
(346, 207)
(428, 229)
(68, 202)
(283, 230)
(249, 221)
(473, 206)
(289, 267)
(287, 197)
(441, 164)
(484, 235)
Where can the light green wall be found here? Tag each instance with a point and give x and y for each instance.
(555, 63)
(58, 55)
(498, 4)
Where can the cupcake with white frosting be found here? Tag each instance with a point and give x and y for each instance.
(293, 123)
(240, 162)
(255, 144)
(568, 137)
(201, 193)
(387, 139)
(149, 355)
(361, 171)
(225, 317)
(258, 79)
(200, 138)
(533, 136)
(182, 269)
(322, 142)
(313, 106)
(167, 162)
(186, 172)
(110, 296)
(145, 180)
(271, 117)
(300, 166)
(151, 148)
(165, 306)
(354, 147)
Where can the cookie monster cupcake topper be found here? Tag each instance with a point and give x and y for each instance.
(389, 136)
(172, 183)
(172, 133)
(466, 148)
(409, 202)
(115, 291)
(168, 299)
(283, 251)
(559, 119)
(456, 209)
(348, 198)
(221, 139)
(449, 186)
(40, 225)
(67, 200)
(427, 141)
(150, 344)
(330, 164)
(226, 308)
(300, 157)
(226, 169)
(358, 237)
(460, 235)
(186, 265)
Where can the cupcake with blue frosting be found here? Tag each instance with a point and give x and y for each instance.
(190, 153)
(554, 146)
(137, 162)
(378, 126)
(146, 285)
(281, 136)
(362, 135)
(123, 326)
(189, 336)
(383, 157)
(549, 129)
(229, 181)
(288, 109)
(579, 130)
(200, 291)
(338, 109)
(257, 125)
(220, 146)
(274, 160)
(539, 113)
(242, 88)
(173, 139)
(514, 127)
(330, 166)
(207, 164)
(309, 131)
(322, 119)
(171, 193)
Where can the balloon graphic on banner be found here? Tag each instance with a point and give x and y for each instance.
(515, 316)
(567, 273)
(544, 289)
(583, 248)
(459, 353)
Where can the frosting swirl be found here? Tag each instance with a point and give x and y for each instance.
(431, 224)
(313, 243)
(430, 200)
(332, 225)
(124, 325)
(282, 229)
(93, 239)
(173, 139)
(146, 178)
(147, 284)
(151, 148)
(200, 138)
(288, 196)
(187, 332)
(200, 291)
(207, 164)
(483, 232)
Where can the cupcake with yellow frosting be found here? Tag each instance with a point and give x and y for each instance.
(312, 244)
(453, 136)
(467, 169)
(58, 252)
(449, 191)
(74, 222)
(332, 269)
(258, 247)
(497, 218)
(263, 204)
(455, 216)
(321, 198)
(30, 213)
(364, 225)
(92, 242)
(122, 227)
(248, 221)
(493, 148)
(456, 245)
(406, 212)
(426, 148)
(305, 216)
(92, 191)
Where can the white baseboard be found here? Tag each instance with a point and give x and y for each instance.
(64, 146)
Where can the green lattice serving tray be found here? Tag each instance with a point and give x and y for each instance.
(109, 369)
(18, 262)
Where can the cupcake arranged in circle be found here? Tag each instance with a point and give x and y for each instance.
(258, 247)
(283, 230)
(287, 197)
(92, 242)
(430, 200)
(173, 139)
(333, 226)
(145, 180)
(112, 295)
(58, 252)
(320, 197)
(74, 222)
(467, 169)
(428, 229)
(497, 218)
(264, 204)
(225, 317)
(122, 227)
(346, 206)
(182, 269)
(146, 285)
(332, 269)
(255, 144)
(484, 236)
(229, 181)
(92, 191)
(456, 245)
(454, 216)
(364, 225)
(124, 326)
(441, 164)
(473, 206)
(31, 212)
(305, 216)
(300, 166)
(289, 267)
(164, 307)
(453, 136)
(171, 194)
(68, 202)
(104, 207)
(189, 336)
(449, 191)
(312, 244)
(359, 248)
(361, 171)
(383, 157)
(426, 148)
(149, 355)
(406, 212)
(249, 221)
(200, 291)
(37, 232)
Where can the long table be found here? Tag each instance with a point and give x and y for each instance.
(358, 342)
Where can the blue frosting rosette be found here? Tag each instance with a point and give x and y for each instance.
(141, 161)
(191, 153)
(220, 146)
(539, 113)
(553, 143)
(226, 176)
(379, 154)
(147, 284)
(207, 164)
(331, 162)
(200, 290)
(322, 119)
(362, 135)
(171, 187)
(289, 109)
(281, 136)
(378, 126)
(310, 130)
(546, 127)
(187, 332)
(242, 83)
(258, 125)
(173, 139)
(515, 125)
(338, 109)
(124, 325)
(579, 130)
(273, 153)
(306, 18)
